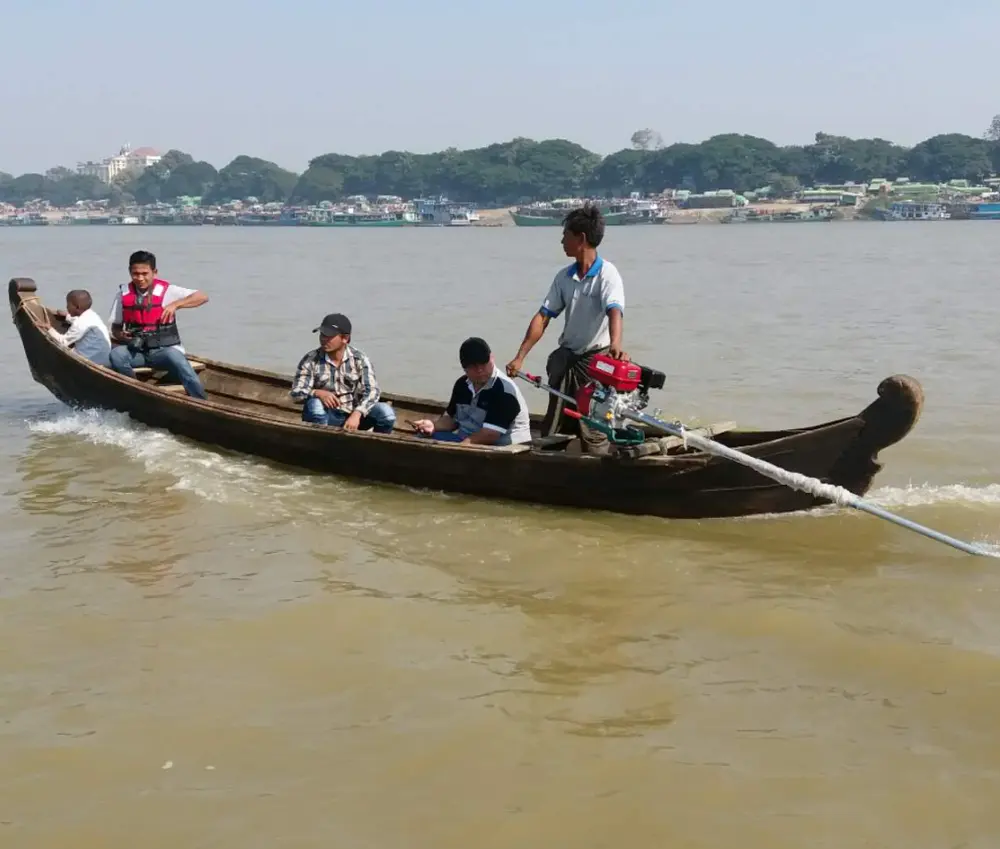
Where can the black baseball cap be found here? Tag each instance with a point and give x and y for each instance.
(333, 324)
(474, 352)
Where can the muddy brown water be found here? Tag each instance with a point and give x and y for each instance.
(200, 649)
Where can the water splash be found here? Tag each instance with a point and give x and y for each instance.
(244, 481)
(927, 494)
(211, 475)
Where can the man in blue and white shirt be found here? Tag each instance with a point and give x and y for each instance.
(486, 407)
(591, 294)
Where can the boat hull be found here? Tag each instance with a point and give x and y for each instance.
(249, 411)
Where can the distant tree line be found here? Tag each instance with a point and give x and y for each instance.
(523, 170)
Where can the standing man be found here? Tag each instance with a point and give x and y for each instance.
(144, 328)
(591, 293)
(336, 383)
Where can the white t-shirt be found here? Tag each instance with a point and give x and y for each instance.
(80, 324)
(88, 333)
(173, 294)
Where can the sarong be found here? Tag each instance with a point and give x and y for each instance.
(567, 372)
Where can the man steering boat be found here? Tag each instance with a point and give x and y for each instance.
(591, 293)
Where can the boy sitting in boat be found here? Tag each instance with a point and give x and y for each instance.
(486, 407)
(87, 334)
(144, 327)
(336, 383)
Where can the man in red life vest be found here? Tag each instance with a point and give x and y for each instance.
(143, 326)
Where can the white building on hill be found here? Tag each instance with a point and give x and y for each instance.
(127, 161)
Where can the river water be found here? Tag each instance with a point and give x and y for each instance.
(201, 650)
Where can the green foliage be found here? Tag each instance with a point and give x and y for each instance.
(522, 170)
(192, 179)
(60, 172)
(993, 131)
(513, 172)
(953, 155)
(620, 173)
(175, 175)
(64, 191)
(646, 139)
(247, 176)
(838, 159)
(783, 185)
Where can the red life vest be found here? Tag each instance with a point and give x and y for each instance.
(141, 313)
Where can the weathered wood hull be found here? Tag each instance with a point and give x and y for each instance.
(249, 411)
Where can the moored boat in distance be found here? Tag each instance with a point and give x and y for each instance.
(749, 215)
(911, 210)
(984, 212)
(441, 212)
(250, 411)
(343, 218)
(25, 219)
(462, 217)
(357, 211)
(632, 210)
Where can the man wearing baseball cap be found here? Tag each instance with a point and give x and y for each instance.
(486, 406)
(336, 383)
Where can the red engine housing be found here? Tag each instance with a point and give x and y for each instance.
(584, 397)
(619, 375)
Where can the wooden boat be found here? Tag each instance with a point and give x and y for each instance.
(250, 411)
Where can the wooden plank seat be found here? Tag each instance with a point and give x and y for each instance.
(555, 442)
(146, 371)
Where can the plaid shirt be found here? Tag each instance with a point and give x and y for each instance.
(353, 383)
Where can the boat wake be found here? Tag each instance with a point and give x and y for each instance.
(213, 475)
(926, 494)
(225, 477)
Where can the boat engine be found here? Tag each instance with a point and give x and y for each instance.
(615, 386)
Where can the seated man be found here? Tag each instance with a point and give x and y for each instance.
(87, 334)
(486, 407)
(144, 327)
(336, 383)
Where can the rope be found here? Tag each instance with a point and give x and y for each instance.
(33, 299)
(837, 494)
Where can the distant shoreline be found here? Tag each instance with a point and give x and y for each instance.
(502, 217)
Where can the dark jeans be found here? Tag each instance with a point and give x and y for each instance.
(381, 418)
(446, 436)
(172, 361)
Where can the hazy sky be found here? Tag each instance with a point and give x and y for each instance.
(291, 80)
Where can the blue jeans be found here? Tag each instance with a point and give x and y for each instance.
(172, 361)
(381, 417)
(446, 436)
